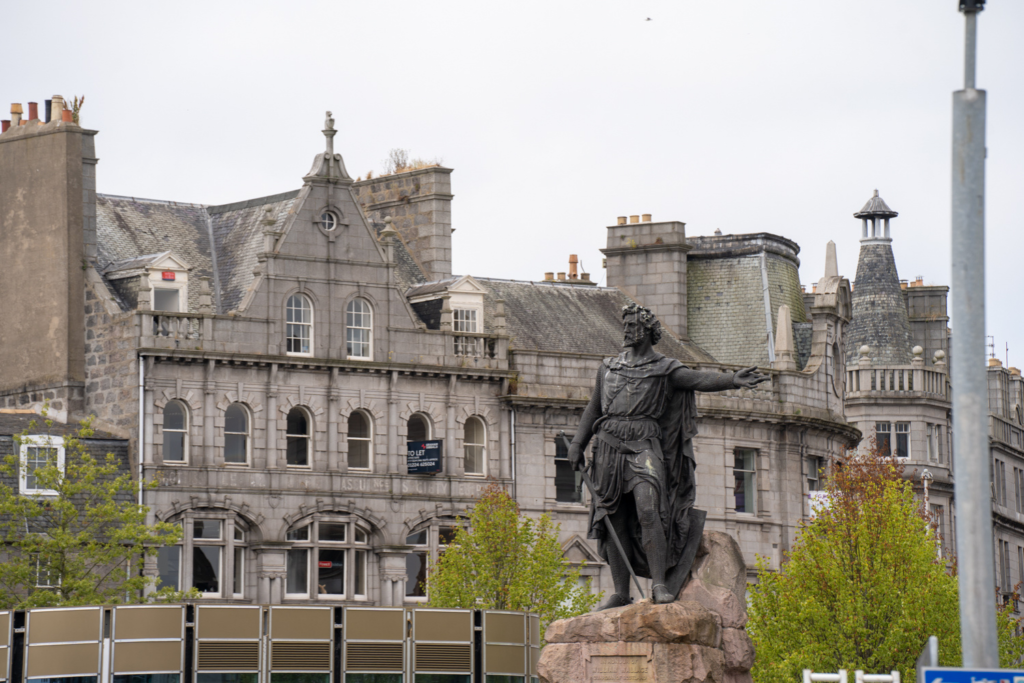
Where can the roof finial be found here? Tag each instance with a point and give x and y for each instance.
(874, 195)
(329, 133)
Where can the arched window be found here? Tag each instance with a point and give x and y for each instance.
(337, 547)
(217, 542)
(419, 427)
(358, 329)
(299, 328)
(360, 440)
(236, 434)
(474, 441)
(175, 432)
(298, 435)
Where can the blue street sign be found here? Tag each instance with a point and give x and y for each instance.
(955, 675)
(424, 457)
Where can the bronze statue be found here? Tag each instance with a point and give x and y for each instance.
(643, 414)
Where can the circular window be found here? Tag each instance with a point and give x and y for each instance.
(328, 221)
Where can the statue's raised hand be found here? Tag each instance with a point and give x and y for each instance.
(748, 378)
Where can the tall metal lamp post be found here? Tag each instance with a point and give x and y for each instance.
(970, 396)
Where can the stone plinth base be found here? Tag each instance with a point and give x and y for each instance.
(700, 638)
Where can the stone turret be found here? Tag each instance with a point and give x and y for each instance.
(880, 319)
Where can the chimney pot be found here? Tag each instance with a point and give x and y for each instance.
(33, 111)
(1014, 371)
(67, 116)
(995, 363)
(621, 220)
(814, 289)
(16, 108)
(57, 108)
(634, 219)
(561, 276)
(4, 125)
(585, 277)
(573, 260)
(646, 218)
(549, 276)
(903, 284)
(47, 108)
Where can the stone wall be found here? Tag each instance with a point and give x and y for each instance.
(111, 362)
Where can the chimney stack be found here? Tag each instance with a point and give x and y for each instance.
(561, 277)
(4, 125)
(572, 266)
(621, 220)
(646, 218)
(634, 219)
(57, 108)
(16, 114)
(33, 111)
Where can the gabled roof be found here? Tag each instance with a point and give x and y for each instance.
(164, 260)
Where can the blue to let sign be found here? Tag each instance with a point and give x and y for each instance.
(955, 675)
(424, 457)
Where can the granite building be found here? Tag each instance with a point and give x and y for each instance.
(271, 361)
(898, 393)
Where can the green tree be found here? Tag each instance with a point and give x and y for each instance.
(77, 536)
(505, 560)
(863, 587)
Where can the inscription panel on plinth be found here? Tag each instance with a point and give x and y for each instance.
(634, 668)
(625, 662)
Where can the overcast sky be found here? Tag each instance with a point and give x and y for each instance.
(742, 115)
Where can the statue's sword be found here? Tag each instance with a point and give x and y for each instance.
(607, 522)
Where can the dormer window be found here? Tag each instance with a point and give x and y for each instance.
(464, 320)
(166, 300)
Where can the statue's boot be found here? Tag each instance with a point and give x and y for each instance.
(661, 594)
(615, 600)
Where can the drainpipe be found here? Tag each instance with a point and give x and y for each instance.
(140, 448)
(512, 449)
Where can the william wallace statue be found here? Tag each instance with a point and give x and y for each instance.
(643, 414)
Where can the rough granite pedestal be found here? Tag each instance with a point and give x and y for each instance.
(699, 638)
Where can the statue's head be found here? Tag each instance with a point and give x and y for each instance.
(637, 323)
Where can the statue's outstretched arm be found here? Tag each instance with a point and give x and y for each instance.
(698, 380)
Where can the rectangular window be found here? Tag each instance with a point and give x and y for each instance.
(44, 578)
(238, 575)
(814, 471)
(883, 438)
(38, 452)
(743, 488)
(416, 575)
(298, 571)
(168, 567)
(166, 300)
(1020, 563)
(1002, 482)
(1004, 566)
(1016, 489)
(465, 320)
(567, 480)
(902, 439)
(206, 529)
(360, 574)
(332, 531)
(331, 572)
(206, 568)
(930, 439)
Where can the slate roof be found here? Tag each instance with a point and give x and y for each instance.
(132, 232)
(133, 263)
(12, 424)
(570, 319)
(408, 273)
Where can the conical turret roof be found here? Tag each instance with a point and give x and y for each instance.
(876, 206)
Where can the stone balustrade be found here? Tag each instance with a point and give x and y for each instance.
(897, 380)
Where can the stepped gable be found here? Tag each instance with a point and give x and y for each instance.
(880, 320)
(572, 319)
